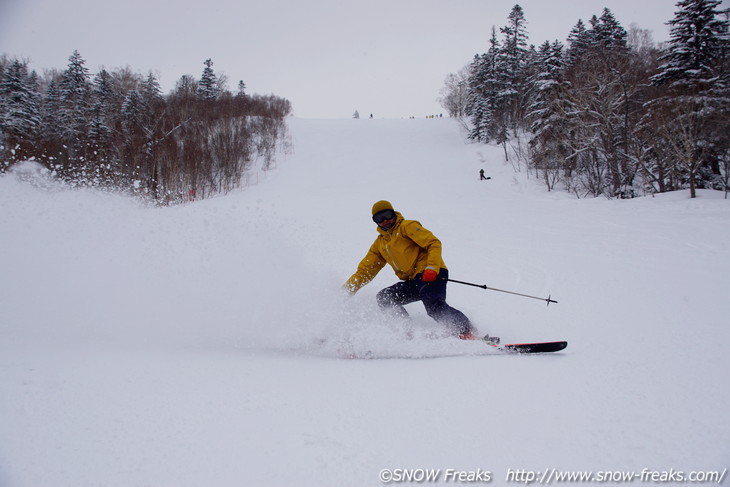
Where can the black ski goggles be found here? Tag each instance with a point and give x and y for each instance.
(381, 216)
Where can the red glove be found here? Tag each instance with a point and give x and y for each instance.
(429, 275)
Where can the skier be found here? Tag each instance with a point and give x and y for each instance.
(482, 176)
(414, 253)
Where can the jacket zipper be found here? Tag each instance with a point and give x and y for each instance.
(390, 237)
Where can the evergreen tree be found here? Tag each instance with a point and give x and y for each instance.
(692, 113)
(99, 126)
(208, 84)
(549, 125)
(479, 100)
(513, 63)
(546, 82)
(120, 130)
(514, 45)
(151, 90)
(608, 33)
(241, 89)
(697, 48)
(50, 114)
(35, 88)
(580, 41)
(134, 111)
(490, 95)
(74, 93)
(19, 111)
(593, 31)
(600, 106)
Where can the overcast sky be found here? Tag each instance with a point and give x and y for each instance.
(328, 57)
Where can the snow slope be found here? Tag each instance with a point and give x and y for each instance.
(186, 346)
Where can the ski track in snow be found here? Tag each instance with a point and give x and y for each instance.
(209, 343)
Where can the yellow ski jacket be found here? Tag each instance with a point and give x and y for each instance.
(407, 247)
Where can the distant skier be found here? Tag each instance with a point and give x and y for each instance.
(482, 176)
(414, 253)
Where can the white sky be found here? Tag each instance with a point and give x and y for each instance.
(328, 57)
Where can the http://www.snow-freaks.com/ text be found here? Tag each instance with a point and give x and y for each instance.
(549, 476)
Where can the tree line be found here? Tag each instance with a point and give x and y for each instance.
(611, 113)
(117, 130)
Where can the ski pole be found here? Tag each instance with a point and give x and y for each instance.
(484, 286)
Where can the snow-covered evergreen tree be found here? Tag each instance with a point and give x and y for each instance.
(546, 84)
(151, 90)
(608, 33)
(549, 124)
(479, 100)
(579, 42)
(134, 110)
(74, 94)
(99, 126)
(120, 131)
(19, 110)
(51, 114)
(513, 64)
(484, 87)
(692, 113)
(697, 48)
(208, 84)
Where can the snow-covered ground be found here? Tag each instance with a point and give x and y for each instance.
(204, 344)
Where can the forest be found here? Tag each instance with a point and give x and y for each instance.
(609, 113)
(117, 130)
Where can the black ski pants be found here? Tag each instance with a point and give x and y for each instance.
(433, 296)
